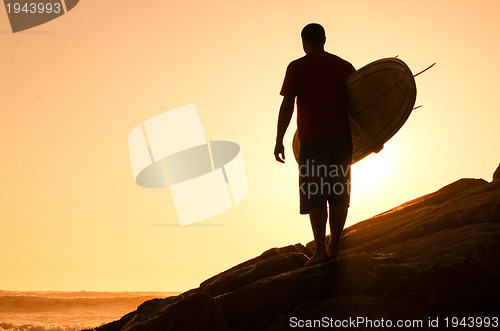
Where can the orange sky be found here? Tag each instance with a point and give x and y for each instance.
(72, 217)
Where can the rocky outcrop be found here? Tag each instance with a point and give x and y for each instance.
(496, 174)
(193, 310)
(433, 257)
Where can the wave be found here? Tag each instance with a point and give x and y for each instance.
(34, 304)
(34, 327)
(67, 311)
(83, 294)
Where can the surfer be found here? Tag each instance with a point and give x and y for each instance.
(317, 80)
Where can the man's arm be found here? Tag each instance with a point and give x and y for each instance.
(285, 115)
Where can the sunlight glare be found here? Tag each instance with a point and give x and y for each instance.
(370, 173)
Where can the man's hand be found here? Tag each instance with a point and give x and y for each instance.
(279, 149)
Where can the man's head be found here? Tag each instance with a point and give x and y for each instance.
(313, 38)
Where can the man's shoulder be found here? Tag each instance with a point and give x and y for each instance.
(324, 59)
(298, 62)
(339, 60)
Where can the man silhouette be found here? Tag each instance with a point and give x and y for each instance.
(318, 81)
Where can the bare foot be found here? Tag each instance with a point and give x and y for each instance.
(331, 252)
(316, 259)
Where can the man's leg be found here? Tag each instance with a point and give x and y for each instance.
(338, 215)
(318, 223)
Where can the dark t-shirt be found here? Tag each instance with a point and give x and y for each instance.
(318, 80)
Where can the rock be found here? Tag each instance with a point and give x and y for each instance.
(373, 308)
(272, 262)
(433, 257)
(193, 310)
(496, 174)
(197, 311)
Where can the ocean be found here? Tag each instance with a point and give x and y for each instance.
(67, 311)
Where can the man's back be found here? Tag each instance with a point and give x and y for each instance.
(318, 81)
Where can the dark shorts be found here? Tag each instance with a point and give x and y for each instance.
(325, 173)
